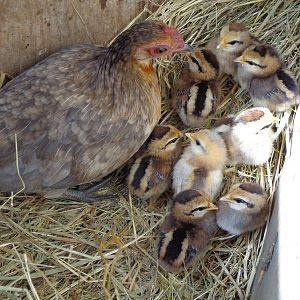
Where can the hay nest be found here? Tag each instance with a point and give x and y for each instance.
(68, 250)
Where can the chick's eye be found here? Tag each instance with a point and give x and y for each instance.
(172, 141)
(266, 127)
(251, 63)
(239, 200)
(160, 50)
(235, 42)
(200, 208)
(198, 143)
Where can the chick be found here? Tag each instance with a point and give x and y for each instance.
(244, 208)
(82, 112)
(233, 40)
(200, 167)
(248, 136)
(186, 230)
(260, 72)
(150, 174)
(196, 91)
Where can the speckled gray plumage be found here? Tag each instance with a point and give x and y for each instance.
(76, 119)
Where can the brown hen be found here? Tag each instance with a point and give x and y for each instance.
(82, 112)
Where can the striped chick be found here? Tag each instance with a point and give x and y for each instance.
(196, 92)
(150, 174)
(185, 232)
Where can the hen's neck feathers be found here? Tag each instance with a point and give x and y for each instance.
(127, 43)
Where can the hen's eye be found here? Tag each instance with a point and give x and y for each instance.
(160, 50)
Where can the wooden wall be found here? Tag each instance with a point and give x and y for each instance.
(32, 29)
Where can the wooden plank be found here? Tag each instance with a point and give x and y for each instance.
(277, 274)
(265, 285)
(32, 29)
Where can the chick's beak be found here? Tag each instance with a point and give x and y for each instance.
(188, 54)
(225, 199)
(212, 207)
(275, 120)
(222, 43)
(240, 60)
(190, 136)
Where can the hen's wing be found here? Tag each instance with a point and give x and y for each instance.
(68, 125)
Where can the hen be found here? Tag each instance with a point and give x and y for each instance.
(82, 112)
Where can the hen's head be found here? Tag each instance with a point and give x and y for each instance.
(148, 39)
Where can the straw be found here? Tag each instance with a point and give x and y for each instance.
(55, 249)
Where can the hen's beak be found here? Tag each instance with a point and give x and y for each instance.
(240, 60)
(222, 43)
(186, 47)
(190, 137)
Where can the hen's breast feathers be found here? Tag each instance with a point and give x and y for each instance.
(71, 117)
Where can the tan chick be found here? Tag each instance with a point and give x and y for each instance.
(260, 72)
(196, 91)
(248, 136)
(243, 209)
(233, 40)
(200, 167)
(185, 232)
(150, 174)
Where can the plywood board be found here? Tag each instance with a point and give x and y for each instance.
(32, 29)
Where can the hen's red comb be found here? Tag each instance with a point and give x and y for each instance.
(172, 31)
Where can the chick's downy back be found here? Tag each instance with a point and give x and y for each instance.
(80, 113)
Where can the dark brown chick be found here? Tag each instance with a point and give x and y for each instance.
(260, 72)
(82, 112)
(243, 208)
(185, 232)
(150, 175)
(196, 91)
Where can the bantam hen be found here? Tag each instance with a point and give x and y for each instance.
(82, 112)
